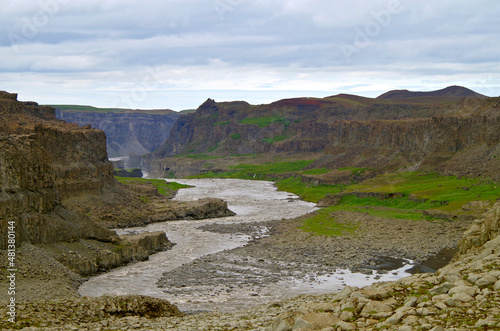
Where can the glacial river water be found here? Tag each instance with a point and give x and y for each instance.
(252, 201)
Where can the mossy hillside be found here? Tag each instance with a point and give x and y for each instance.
(450, 192)
(307, 191)
(418, 192)
(265, 171)
(412, 192)
(265, 121)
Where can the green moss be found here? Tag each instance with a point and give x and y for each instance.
(355, 171)
(307, 191)
(258, 171)
(323, 223)
(275, 139)
(449, 192)
(222, 123)
(213, 148)
(236, 136)
(145, 199)
(164, 187)
(317, 171)
(264, 121)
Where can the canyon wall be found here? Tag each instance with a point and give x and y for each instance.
(468, 145)
(42, 162)
(459, 137)
(128, 132)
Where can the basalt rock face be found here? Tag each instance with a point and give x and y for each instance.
(42, 162)
(451, 144)
(128, 132)
(442, 132)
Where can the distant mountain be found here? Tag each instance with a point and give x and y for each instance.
(448, 92)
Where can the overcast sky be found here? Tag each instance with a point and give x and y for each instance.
(177, 53)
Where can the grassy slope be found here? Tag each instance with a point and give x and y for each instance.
(419, 192)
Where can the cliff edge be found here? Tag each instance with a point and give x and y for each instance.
(58, 199)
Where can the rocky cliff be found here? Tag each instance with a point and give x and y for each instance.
(58, 197)
(128, 132)
(460, 144)
(43, 162)
(443, 132)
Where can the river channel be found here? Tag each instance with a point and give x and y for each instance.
(244, 283)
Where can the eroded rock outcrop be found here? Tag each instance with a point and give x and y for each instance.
(44, 161)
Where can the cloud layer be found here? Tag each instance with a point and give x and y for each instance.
(174, 54)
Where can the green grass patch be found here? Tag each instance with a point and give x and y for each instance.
(200, 156)
(275, 139)
(164, 187)
(449, 191)
(324, 224)
(236, 136)
(258, 171)
(222, 123)
(307, 191)
(400, 202)
(355, 171)
(264, 121)
(273, 167)
(213, 148)
(317, 171)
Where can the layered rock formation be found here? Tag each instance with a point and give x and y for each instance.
(453, 144)
(58, 197)
(128, 132)
(44, 162)
(435, 131)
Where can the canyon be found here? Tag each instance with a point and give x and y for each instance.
(59, 198)
(128, 132)
(58, 189)
(454, 130)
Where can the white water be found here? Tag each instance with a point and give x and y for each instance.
(252, 201)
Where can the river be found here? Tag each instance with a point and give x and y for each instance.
(252, 201)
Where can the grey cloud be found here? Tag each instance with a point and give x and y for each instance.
(312, 35)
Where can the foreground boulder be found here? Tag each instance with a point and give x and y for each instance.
(463, 295)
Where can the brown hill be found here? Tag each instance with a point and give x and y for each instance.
(447, 93)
